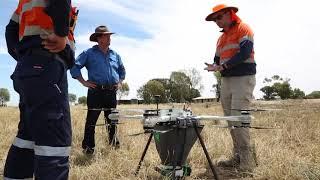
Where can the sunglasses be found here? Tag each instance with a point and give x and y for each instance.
(219, 17)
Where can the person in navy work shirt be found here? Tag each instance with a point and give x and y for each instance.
(105, 75)
(40, 39)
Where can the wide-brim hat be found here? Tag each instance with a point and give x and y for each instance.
(218, 8)
(98, 31)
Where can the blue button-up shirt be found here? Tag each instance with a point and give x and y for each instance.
(103, 69)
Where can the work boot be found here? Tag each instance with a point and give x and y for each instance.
(247, 161)
(233, 162)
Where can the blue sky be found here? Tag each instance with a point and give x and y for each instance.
(156, 37)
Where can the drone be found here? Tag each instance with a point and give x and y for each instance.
(175, 131)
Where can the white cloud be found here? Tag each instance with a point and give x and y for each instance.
(286, 38)
(141, 12)
(3, 47)
(286, 42)
(176, 45)
(3, 50)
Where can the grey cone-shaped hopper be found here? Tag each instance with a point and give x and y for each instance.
(174, 146)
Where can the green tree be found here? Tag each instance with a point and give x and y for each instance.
(150, 89)
(277, 86)
(4, 94)
(283, 89)
(72, 98)
(195, 93)
(166, 84)
(297, 94)
(195, 78)
(82, 100)
(313, 95)
(180, 87)
(277, 77)
(269, 93)
(123, 91)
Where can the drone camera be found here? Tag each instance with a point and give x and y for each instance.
(244, 112)
(245, 124)
(150, 112)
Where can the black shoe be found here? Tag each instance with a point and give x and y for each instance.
(88, 151)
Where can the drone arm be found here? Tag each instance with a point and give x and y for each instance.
(227, 118)
(115, 116)
(132, 116)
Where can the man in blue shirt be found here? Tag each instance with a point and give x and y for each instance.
(105, 75)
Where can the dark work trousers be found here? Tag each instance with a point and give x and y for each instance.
(42, 146)
(98, 99)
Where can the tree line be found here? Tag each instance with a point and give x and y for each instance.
(280, 88)
(184, 85)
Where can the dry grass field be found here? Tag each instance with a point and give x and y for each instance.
(291, 152)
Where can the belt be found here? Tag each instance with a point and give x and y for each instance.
(46, 53)
(106, 87)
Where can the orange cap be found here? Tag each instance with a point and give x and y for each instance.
(218, 8)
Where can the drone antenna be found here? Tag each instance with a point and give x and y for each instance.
(157, 98)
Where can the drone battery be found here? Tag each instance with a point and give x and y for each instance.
(179, 171)
(174, 146)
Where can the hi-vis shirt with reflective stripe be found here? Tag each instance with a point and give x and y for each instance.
(229, 42)
(28, 14)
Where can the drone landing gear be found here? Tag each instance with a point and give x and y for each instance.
(176, 173)
(174, 146)
(212, 167)
(143, 154)
(112, 130)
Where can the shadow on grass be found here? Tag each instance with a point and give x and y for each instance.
(83, 160)
(225, 174)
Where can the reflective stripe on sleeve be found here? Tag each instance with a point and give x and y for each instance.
(249, 60)
(21, 143)
(35, 30)
(244, 38)
(52, 151)
(34, 3)
(228, 47)
(15, 17)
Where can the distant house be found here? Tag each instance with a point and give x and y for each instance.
(130, 101)
(203, 99)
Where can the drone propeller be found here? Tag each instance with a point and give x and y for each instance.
(151, 131)
(133, 110)
(101, 109)
(116, 116)
(117, 110)
(256, 109)
(104, 124)
(241, 118)
(252, 127)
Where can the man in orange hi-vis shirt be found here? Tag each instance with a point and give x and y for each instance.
(234, 59)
